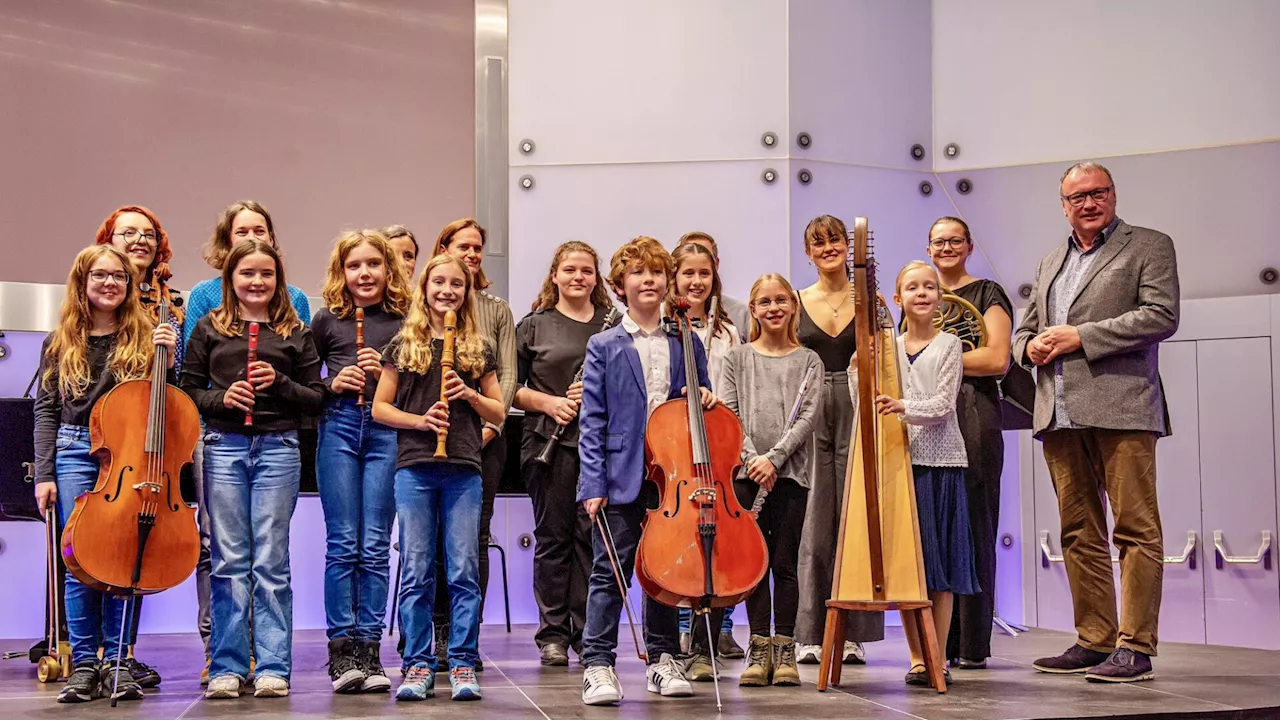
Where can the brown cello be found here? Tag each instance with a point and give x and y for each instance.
(132, 534)
(700, 548)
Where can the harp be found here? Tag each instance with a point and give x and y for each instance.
(878, 560)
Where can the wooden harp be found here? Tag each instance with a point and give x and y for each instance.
(879, 565)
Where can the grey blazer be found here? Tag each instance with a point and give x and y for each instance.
(1126, 304)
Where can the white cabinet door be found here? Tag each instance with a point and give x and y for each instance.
(1178, 488)
(661, 80)
(1238, 490)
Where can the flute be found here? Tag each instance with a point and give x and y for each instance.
(548, 450)
(253, 358)
(446, 364)
(359, 347)
(761, 493)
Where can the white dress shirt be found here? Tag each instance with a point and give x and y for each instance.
(655, 361)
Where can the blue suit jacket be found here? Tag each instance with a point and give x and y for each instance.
(615, 413)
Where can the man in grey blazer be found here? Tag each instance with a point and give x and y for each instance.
(1103, 301)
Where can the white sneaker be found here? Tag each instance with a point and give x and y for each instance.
(223, 687)
(600, 686)
(667, 678)
(854, 653)
(270, 686)
(808, 654)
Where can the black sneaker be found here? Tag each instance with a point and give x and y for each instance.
(1124, 665)
(142, 673)
(128, 689)
(83, 685)
(1076, 660)
(344, 668)
(375, 678)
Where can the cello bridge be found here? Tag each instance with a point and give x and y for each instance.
(703, 496)
(153, 487)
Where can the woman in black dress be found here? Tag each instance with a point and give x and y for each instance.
(978, 409)
(826, 327)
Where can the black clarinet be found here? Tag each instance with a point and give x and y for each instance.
(549, 450)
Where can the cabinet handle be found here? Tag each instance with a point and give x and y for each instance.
(1222, 556)
(1188, 553)
(1046, 555)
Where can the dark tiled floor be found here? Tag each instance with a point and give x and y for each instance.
(1193, 681)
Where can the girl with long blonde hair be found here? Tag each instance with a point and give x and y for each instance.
(251, 463)
(104, 337)
(431, 492)
(551, 344)
(356, 456)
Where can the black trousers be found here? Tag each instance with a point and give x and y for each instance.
(980, 419)
(562, 554)
(493, 460)
(782, 523)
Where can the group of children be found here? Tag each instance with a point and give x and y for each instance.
(384, 402)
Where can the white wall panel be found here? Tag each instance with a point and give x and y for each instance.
(595, 82)
(608, 205)
(1178, 488)
(1238, 489)
(1215, 204)
(1024, 82)
(897, 213)
(860, 81)
(1053, 592)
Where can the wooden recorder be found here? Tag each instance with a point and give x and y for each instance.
(446, 365)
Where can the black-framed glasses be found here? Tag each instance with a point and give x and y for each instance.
(100, 276)
(955, 243)
(1098, 195)
(131, 234)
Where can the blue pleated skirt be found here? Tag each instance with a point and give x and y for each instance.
(945, 536)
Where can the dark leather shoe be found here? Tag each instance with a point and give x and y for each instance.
(967, 664)
(1124, 665)
(1076, 660)
(727, 647)
(554, 655)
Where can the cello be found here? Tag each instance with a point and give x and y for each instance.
(700, 548)
(132, 534)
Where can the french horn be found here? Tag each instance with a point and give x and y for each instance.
(959, 317)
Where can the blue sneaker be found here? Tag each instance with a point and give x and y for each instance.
(463, 680)
(419, 683)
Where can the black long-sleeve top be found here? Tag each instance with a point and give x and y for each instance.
(215, 361)
(336, 341)
(52, 410)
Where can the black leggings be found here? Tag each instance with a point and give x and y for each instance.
(782, 522)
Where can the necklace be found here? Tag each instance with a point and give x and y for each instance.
(835, 311)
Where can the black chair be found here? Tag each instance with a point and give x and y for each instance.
(506, 595)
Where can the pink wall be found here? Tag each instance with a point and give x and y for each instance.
(333, 115)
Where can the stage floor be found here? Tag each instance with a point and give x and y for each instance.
(1191, 681)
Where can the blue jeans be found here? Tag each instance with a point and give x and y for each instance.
(93, 618)
(604, 602)
(686, 620)
(355, 472)
(251, 484)
(426, 496)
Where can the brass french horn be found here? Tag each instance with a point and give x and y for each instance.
(960, 318)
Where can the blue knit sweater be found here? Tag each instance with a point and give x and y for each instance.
(207, 295)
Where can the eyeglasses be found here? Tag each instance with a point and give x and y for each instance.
(955, 243)
(131, 234)
(765, 302)
(1098, 195)
(100, 276)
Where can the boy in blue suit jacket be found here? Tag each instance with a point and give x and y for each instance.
(630, 369)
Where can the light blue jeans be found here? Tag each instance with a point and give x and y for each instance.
(93, 618)
(427, 495)
(356, 471)
(251, 484)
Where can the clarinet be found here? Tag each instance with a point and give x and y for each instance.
(548, 450)
(359, 347)
(253, 357)
(761, 493)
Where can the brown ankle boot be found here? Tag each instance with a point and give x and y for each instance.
(759, 663)
(785, 671)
